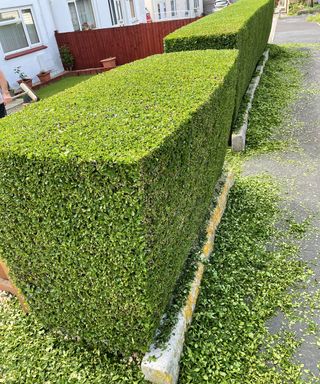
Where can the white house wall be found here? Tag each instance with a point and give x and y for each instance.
(62, 18)
(181, 9)
(61, 15)
(33, 63)
(149, 6)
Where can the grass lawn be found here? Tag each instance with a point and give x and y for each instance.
(60, 85)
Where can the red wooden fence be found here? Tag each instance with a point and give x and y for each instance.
(125, 43)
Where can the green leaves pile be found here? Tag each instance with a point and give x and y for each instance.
(244, 26)
(103, 189)
(272, 105)
(246, 280)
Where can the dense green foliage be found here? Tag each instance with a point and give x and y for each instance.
(99, 207)
(244, 283)
(302, 8)
(245, 25)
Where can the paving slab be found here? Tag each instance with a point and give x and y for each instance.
(14, 106)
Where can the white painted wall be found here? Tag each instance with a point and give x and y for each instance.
(62, 18)
(32, 63)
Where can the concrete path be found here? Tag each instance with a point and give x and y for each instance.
(14, 106)
(296, 30)
(298, 171)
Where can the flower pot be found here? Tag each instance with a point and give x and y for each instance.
(44, 77)
(109, 63)
(28, 82)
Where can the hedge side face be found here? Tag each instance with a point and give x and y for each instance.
(103, 189)
(245, 25)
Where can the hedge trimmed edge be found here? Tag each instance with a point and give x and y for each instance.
(244, 25)
(103, 189)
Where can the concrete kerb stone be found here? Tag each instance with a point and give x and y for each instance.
(275, 19)
(161, 366)
(238, 139)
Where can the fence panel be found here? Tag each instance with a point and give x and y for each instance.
(125, 43)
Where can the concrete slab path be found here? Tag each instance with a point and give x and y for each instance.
(298, 171)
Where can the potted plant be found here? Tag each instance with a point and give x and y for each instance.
(109, 63)
(23, 77)
(44, 76)
(66, 57)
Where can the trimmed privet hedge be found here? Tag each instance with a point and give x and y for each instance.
(103, 189)
(245, 25)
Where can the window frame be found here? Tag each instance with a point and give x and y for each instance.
(174, 12)
(25, 30)
(78, 17)
(135, 18)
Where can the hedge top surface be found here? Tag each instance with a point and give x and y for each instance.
(119, 116)
(228, 21)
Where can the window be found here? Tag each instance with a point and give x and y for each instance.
(18, 30)
(187, 7)
(82, 16)
(159, 11)
(132, 10)
(116, 12)
(173, 8)
(196, 4)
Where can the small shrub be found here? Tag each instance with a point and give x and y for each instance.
(67, 57)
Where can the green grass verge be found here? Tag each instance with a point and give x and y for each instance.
(60, 85)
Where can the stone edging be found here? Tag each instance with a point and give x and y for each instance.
(161, 366)
(238, 139)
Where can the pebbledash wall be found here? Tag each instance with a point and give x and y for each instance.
(27, 29)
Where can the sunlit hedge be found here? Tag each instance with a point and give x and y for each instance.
(244, 25)
(103, 189)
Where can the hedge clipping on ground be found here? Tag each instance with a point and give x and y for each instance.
(244, 25)
(103, 189)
